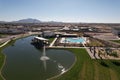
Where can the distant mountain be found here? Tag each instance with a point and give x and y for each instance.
(2, 22)
(29, 20)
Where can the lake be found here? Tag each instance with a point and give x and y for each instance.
(23, 61)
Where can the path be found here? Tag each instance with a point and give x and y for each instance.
(90, 54)
(5, 43)
(53, 42)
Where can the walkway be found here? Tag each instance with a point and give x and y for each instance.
(90, 54)
(53, 42)
(5, 43)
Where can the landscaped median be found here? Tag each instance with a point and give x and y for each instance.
(86, 68)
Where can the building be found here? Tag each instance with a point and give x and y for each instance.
(48, 34)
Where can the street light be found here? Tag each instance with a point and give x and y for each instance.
(57, 35)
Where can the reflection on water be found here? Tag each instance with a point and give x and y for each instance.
(44, 58)
(23, 61)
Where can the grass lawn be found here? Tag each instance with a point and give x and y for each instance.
(88, 69)
(2, 58)
(117, 41)
(51, 39)
(1, 44)
(1, 62)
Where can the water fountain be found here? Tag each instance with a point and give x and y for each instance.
(44, 57)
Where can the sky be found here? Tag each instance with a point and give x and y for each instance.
(98, 11)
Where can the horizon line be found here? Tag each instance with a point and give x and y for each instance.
(59, 21)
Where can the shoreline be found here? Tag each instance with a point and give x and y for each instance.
(3, 67)
(52, 78)
(6, 43)
(27, 36)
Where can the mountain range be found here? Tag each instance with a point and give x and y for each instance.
(29, 20)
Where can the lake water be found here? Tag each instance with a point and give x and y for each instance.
(23, 61)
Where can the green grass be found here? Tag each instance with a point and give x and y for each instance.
(3, 35)
(117, 41)
(51, 39)
(2, 57)
(88, 69)
(1, 44)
